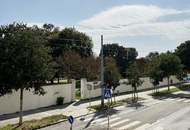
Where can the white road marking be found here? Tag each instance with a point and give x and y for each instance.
(179, 100)
(129, 125)
(153, 102)
(120, 122)
(98, 118)
(171, 99)
(158, 128)
(111, 120)
(186, 101)
(143, 127)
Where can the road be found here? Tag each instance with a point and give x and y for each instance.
(152, 114)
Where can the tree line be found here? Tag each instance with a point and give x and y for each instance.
(31, 56)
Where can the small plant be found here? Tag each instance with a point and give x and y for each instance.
(78, 94)
(60, 100)
(78, 84)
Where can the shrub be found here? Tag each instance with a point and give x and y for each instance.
(60, 100)
(78, 84)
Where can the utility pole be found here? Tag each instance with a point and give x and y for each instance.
(102, 72)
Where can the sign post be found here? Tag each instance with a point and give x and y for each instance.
(108, 95)
(71, 120)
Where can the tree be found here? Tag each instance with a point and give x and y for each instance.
(123, 56)
(133, 76)
(151, 56)
(92, 68)
(142, 64)
(25, 61)
(72, 65)
(48, 27)
(111, 74)
(183, 51)
(155, 73)
(170, 64)
(69, 39)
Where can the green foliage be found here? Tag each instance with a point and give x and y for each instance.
(142, 64)
(111, 74)
(25, 60)
(60, 100)
(123, 56)
(183, 51)
(70, 39)
(74, 66)
(133, 76)
(24, 57)
(164, 65)
(114, 104)
(152, 55)
(165, 92)
(78, 94)
(155, 72)
(170, 64)
(78, 84)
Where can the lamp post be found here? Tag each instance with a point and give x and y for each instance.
(102, 72)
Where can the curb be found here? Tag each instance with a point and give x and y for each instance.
(60, 121)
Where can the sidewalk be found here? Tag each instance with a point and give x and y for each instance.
(76, 109)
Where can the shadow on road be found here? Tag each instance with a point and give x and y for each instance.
(34, 111)
(101, 114)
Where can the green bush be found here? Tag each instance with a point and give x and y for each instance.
(78, 84)
(77, 93)
(60, 100)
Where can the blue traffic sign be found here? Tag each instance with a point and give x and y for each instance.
(107, 93)
(70, 119)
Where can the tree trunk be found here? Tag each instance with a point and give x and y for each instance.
(114, 96)
(58, 80)
(21, 106)
(52, 81)
(102, 97)
(168, 83)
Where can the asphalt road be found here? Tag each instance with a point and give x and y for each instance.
(154, 114)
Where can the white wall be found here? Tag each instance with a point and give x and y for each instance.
(95, 91)
(10, 103)
(120, 89)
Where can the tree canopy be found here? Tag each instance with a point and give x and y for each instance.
(183, 51)
(123, 56)
(25, 60)
(111, 74)
(69, 39)
(133, 76)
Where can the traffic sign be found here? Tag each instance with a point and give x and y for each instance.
(107, 93)
(70, 119)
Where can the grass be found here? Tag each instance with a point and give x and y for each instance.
(172, 90)
(165, 92)
(77, 94)
(35, 124)
(114, 104)
(184, 87)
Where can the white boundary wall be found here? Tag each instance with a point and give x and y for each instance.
(10, 103)
(96, 92)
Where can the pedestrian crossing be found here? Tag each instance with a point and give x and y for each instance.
(118, 122)
(185, 100)
(143, 127)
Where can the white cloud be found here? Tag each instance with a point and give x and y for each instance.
(137, 20)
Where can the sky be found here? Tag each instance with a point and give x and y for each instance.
(147, 25)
